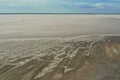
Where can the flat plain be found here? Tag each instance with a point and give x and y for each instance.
(37, 26)
(59, 47)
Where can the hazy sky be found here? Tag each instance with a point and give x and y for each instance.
(59, 6)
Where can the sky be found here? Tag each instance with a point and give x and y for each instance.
(59, 6)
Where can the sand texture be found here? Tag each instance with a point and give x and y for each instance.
(59, 47)
(80, 58)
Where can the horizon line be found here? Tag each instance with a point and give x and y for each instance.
(59, 13)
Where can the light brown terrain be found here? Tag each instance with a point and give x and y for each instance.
(37, 26)
(59, 47)
(80, 58)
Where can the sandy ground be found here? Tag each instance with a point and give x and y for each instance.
(37, 26)
(90, 57)
(81, 58)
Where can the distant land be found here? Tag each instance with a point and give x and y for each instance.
(62, 13)
(23, 25)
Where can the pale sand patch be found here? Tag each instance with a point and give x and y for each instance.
(37, 26)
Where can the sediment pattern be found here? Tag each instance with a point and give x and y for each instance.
(91, 58)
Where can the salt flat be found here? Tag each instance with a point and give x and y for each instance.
(37, 26)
